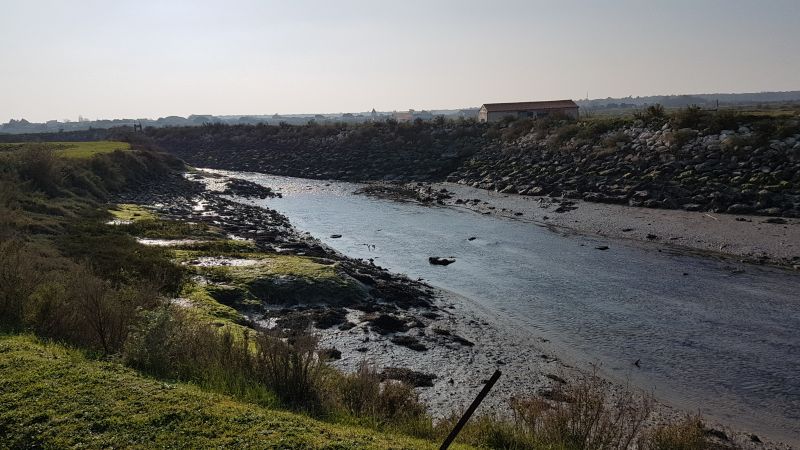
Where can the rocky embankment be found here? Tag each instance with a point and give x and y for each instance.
(744, 170)
(657, 168)
(376, 151)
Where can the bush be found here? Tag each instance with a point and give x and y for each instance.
(685, 435)
(724, 119)
(363, 395)
(591, 418)
(689, 117)
(653, 114)
(291, 369)
(585, 415)
(80, 308)
(19, 276)
(38, 164)
(9, 209)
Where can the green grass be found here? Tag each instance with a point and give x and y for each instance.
(205, 309)
(131, 213)
(55, 397)
(78, 150)
(279, 279)
(88, 149)
(269, 264)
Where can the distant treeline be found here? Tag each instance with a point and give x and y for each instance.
(680, 101)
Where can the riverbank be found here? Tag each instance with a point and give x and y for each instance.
(493, 336)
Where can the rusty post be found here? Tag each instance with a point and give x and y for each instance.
(468, 413)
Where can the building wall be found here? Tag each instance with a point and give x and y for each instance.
(483, 116)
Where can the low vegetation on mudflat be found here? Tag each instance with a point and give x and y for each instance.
(109, 342)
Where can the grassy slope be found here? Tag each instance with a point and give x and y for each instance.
(77, 149)
(51, 396)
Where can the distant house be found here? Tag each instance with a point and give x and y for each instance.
(403, 116)
(492, 112)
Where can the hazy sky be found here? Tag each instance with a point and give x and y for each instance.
(140, 58)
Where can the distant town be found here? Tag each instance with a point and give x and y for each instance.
(586, 106)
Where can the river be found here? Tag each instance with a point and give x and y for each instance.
(708, 338)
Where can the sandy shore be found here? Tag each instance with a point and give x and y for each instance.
(752, 239)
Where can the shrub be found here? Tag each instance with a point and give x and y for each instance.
(584, 415)
(19, 276)
(363, 395)
(591, 418)
(689, 117)
(80, 308)
(291, 369)
(565, 133)
(685, 435)
(723, 119)
(38, 164)
(652, 114)
(9, 208)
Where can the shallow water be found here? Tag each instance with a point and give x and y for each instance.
(708, 339)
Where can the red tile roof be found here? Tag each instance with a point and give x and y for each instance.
(522, 106)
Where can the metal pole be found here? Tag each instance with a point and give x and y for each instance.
(468, 413)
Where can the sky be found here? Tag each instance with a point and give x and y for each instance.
(147, 59)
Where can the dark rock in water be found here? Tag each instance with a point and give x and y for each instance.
(248, 189)
(410, 342)
(336, 236)
(472, 238)
(652, 237)
(602, 247)
(437, 261)
(408, 376)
